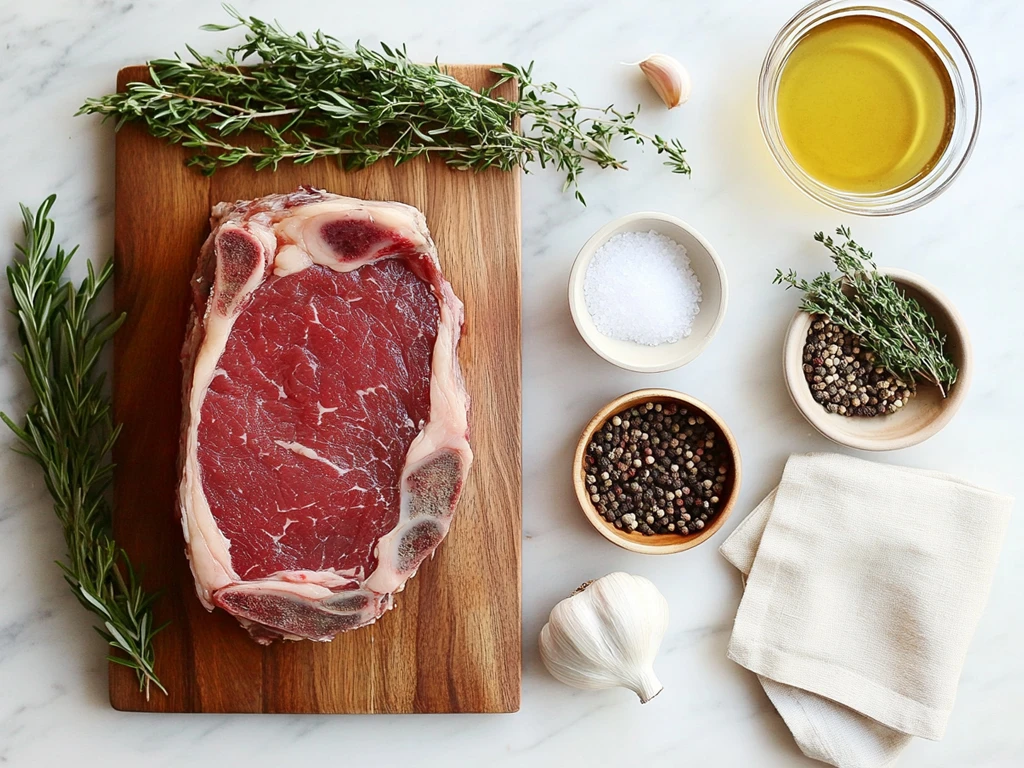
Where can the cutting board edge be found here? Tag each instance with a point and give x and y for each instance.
(126, 701)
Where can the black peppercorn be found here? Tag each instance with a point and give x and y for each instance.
(655, 466)
(842, 376)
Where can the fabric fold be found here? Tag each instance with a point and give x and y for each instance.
(864, 584)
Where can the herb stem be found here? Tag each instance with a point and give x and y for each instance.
(870, 305)
(249, 113)
(68, 431)
(361, 106)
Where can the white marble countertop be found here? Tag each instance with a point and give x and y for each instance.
(53, 681)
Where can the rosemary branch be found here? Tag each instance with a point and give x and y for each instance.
(68, 431)
(894, 326)
(311, 96)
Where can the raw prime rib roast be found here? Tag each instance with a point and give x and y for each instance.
(325, 436)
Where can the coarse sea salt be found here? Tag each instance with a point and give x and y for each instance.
(639, 287)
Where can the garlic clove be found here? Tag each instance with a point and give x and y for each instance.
(606, 635)
(668, 77)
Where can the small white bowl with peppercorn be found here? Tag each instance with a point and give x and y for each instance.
(647, 292)
(847, 393)
(656, 472)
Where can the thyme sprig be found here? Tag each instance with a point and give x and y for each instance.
(311, 96)
(894, 326)
(68, 431)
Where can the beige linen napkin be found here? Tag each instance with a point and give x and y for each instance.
(864, 585)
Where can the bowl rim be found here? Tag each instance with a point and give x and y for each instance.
(628, 541)
(963, 74)
(822, 421)
(577, 274)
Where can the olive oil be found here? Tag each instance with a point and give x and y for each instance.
(865, 105)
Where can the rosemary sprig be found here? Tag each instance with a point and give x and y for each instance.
(69, 433)
(891, 324)
(308, 97)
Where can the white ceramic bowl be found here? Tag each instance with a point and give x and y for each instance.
(923, 416)
(705, 264)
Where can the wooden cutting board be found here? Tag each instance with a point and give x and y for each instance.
(452, 642)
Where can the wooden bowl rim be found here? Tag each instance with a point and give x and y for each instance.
(826, 424)
(635, 542)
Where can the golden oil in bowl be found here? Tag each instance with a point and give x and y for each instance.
(865, 105)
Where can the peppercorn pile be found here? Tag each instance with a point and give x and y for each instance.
(657, 468)
(843, 377)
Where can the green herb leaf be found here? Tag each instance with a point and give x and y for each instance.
(311, 96)
(69, 433)
(869, 304)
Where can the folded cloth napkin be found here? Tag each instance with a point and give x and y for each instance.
(864, 584)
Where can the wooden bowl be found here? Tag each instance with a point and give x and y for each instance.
(925, 414)
(660, 543)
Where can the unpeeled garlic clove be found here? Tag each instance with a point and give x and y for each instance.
(668, 77)
(606, 635)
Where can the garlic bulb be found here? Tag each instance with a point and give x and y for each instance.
(668, 77)
(606, 635)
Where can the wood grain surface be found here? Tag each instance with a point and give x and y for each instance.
(452, 642)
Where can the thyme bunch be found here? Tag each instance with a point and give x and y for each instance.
(311, 96)
(869, 304)
(68, 431)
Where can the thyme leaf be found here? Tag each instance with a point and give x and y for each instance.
(894, 326)
(311, 96)
(68, 431)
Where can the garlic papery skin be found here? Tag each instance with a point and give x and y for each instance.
(668, 77)
(606, 635)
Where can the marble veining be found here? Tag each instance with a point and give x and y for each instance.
(53, 707)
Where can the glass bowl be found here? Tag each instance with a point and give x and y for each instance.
(952, 52)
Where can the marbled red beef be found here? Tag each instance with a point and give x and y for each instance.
(325, 417)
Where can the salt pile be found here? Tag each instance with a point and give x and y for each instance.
(639, 287)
